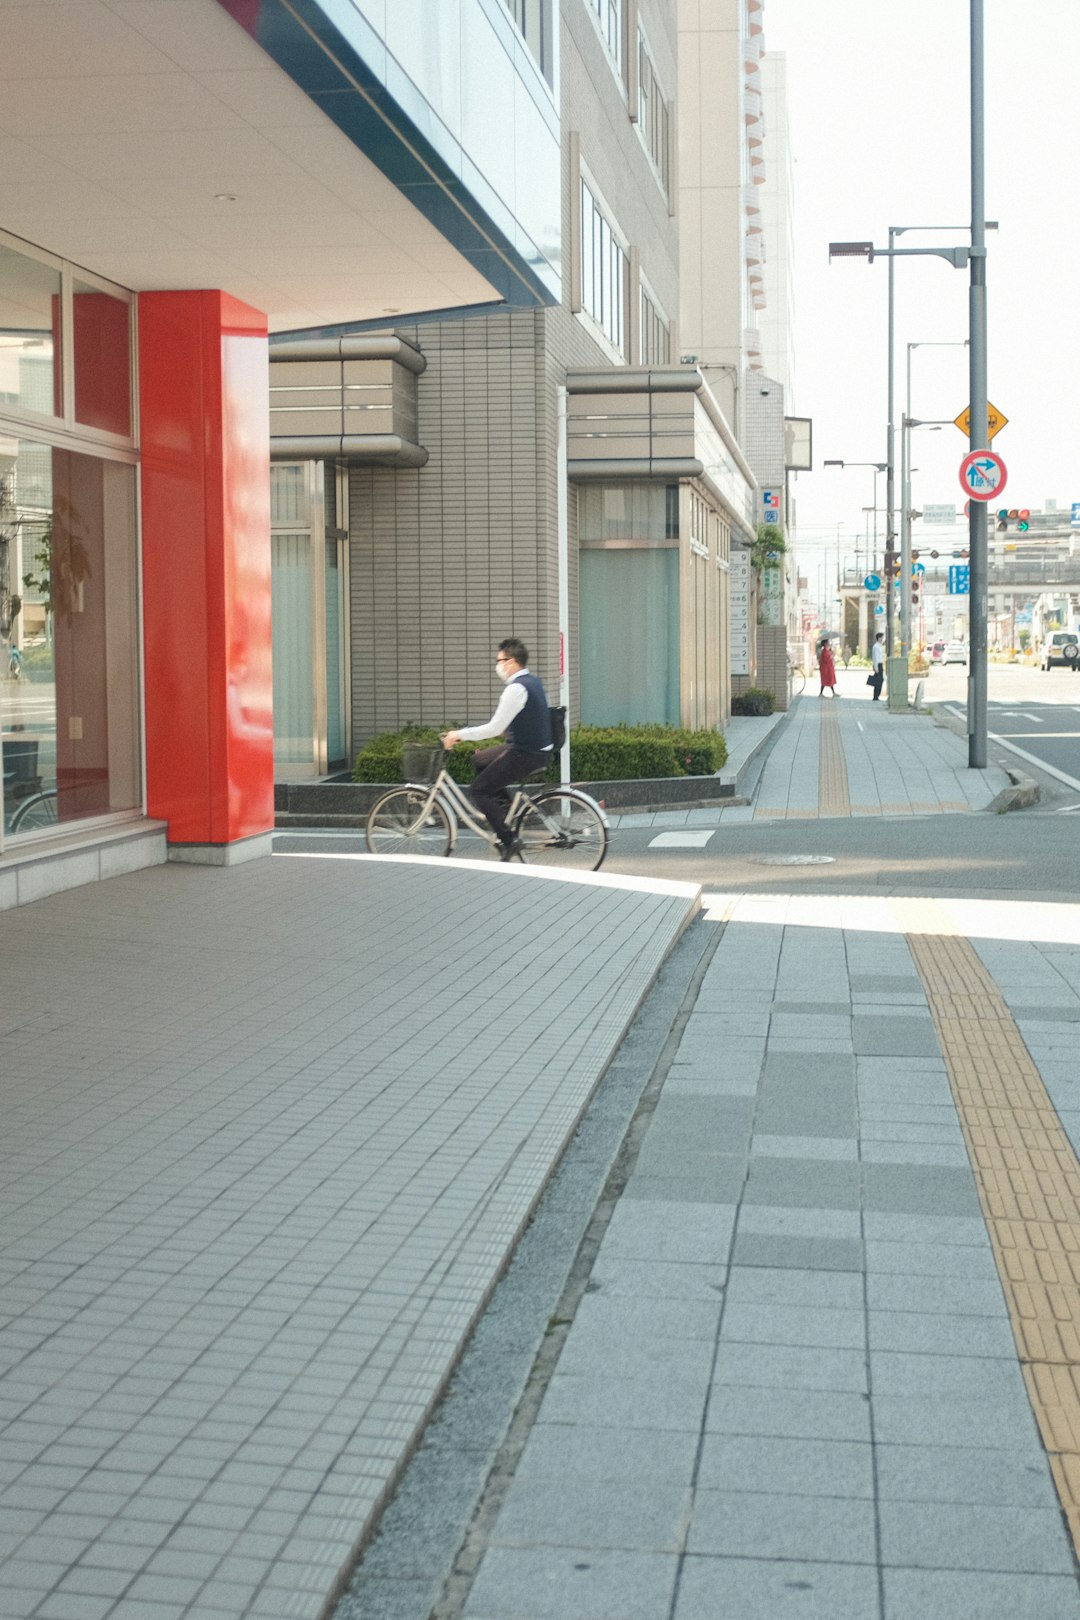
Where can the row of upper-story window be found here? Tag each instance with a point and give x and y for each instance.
(604, 279)
(650, 108)
(66, 344)
(535, 20)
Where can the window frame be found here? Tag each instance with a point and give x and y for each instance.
(654, 115)
(67, 423)
(608, 257)
(647, 300)
(609, 20)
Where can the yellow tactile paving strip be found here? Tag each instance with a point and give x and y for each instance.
(1028, 1178)
(833, 799)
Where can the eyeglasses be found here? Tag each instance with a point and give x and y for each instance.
(501, 658)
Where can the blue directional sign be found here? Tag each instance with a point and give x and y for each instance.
(959, 580)
(1075, 521)
(871, 583)
(879, 610)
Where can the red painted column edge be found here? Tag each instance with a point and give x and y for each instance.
(203, 374)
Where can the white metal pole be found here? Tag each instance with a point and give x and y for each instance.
(562, 525)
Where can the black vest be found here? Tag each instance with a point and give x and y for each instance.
(531, 729)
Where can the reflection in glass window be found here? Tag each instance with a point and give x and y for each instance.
(628, 512)
(629, 617)
(533, 18)
(654, 118)
(609, 15)
(102, 339)
(655, 335)
(70, 722)
(29, 325)
(603, 271)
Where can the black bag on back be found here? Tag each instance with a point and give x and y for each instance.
(558, 726)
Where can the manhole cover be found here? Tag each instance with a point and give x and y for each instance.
(794, 860)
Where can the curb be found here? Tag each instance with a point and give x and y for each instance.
(734, 777)
(1023, 793)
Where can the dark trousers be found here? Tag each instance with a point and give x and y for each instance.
(496, 768)
(879, 680)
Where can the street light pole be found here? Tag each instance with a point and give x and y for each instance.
(904, 593)
(979, 425)
(906, 614)
(890, 451)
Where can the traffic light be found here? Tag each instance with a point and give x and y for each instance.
(1021, 516)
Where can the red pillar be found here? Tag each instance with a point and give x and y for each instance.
(205, 436)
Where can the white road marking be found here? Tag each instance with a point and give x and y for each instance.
(682, 840)
(1032, 759)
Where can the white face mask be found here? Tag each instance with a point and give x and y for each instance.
(503, 671)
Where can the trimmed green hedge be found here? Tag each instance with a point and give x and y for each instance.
(755, 700)
(597, 754)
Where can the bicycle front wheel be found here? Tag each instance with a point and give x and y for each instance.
(403, 823)
(562, 828)
(36, 812)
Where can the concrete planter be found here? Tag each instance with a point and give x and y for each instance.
(346, 804)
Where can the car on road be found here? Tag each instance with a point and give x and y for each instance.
(1060, 647)
(949, 652)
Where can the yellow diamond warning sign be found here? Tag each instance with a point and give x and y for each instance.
(995, 421)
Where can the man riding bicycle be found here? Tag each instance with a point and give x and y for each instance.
(523, 718)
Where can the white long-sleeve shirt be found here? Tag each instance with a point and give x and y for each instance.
(877, 654)
(510, 704)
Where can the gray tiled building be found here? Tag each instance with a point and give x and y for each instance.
(429, 451)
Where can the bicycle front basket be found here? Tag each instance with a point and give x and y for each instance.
(422, 762)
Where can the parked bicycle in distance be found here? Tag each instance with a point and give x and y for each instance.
(556, 826)
(34, 813)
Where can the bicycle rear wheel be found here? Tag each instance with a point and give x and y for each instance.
(36, 812)
(562, 828)
(398, 824)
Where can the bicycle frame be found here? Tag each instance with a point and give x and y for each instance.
(459, 809)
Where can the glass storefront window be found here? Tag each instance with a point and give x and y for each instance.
(69, 713)
(629, 636)
(628, 512)
(29, 334)
(101, 325)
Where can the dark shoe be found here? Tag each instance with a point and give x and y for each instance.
(514, 847)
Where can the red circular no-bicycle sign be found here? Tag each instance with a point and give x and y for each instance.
(983, 475)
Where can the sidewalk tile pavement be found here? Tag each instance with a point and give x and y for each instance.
(865, 1441)
(270, 1134)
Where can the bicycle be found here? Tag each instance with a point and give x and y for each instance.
(15, 664)
(34, 813)
(556, 826)
(796, 679)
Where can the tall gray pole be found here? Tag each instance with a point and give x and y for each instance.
(890, 461)
(979, 432)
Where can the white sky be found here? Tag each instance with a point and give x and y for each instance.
(878, 102)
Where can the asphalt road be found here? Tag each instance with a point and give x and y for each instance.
(1028, 854)
(1033, 721)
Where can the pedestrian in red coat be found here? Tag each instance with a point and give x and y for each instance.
(826, 668)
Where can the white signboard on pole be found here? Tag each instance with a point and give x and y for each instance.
(739, 652)
(941, 513)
